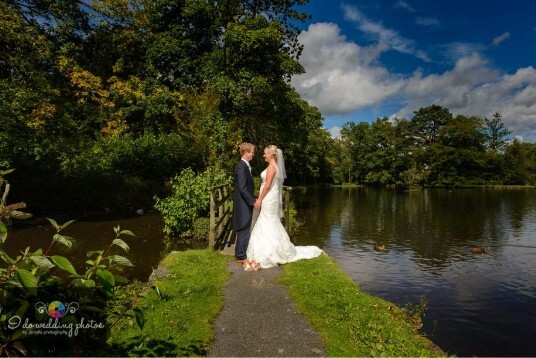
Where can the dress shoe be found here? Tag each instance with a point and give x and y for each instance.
(240, 261)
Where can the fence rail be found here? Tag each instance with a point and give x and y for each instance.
(221, 233)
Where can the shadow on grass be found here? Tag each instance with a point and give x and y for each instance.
(142, 346)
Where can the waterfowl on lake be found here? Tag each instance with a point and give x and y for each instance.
(379, 247)
(479, 250)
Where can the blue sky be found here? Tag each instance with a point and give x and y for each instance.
(366, 59)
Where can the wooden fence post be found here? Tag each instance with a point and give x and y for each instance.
(212, 232)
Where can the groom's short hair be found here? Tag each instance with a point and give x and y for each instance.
(246, 147)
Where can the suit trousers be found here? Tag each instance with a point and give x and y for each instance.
(242, 241)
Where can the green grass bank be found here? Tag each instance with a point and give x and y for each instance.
(350, 322)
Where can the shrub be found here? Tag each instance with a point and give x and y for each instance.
(201, 228)
(189, 200)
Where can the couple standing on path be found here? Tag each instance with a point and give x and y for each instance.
(268, 244)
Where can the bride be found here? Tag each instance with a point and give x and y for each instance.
(270, 244)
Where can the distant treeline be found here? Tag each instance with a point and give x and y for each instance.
(103, 102)
(435, 148)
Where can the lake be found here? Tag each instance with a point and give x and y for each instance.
(477, 304)
(96, 232)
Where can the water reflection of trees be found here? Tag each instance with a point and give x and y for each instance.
(438, 226)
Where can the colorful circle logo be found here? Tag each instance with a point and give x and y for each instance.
(56, 309)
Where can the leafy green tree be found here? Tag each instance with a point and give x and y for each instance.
(354, 137)
(530, 149)
(381, 153)
(458, 155)
(516, 164)
(496, 132)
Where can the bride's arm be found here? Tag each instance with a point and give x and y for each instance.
(269, 178)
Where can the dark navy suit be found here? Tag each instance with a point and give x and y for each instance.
(243, 201)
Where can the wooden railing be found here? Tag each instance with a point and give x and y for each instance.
(220, 213)
(221, 202)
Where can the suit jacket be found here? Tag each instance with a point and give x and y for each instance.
(243, 198)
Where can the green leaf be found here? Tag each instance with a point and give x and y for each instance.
(65, 240)
(80, 282)
(91, 253)
(120, 279)
(19, 215)
(106, 278)
(67, 224)
(6, 191)
(54, 223)
(140, 319)
(26, 278)
(158, 292)
(121, 244)
(24, 305)
(64, 264)
(4, 256)
(3, 232)
(121, 260)
(42, 262)
(6, 172)
(127, 232)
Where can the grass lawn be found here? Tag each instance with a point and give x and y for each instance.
(179, 324)
(350, 322)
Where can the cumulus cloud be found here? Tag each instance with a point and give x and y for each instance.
(499, 39)
(472, 87)
(343, 77)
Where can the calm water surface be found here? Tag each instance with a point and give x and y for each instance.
(96, 233)
(477, 304)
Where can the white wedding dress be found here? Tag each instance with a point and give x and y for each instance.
(269, 244)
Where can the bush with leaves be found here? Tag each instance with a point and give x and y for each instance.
(189, 200)
(35, 282)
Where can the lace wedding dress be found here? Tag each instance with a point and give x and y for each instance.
(270, 244)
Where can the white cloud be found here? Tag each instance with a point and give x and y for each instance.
(404, 5)
(426, 21)
(335, 132)
(382, 34)
(473, 88)
(499, 39)
(455, 50)
(343, 77)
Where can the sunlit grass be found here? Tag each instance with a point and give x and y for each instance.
(350, 322)
(178, 324)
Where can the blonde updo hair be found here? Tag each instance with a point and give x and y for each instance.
(272, 150)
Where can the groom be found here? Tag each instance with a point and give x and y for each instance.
(243, 201)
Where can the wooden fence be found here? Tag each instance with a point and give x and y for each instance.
(221, 204)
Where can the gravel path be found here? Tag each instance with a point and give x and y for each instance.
(260, 320)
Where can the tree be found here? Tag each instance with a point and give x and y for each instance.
(457, 157)
(496, 132)
(516, 164)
